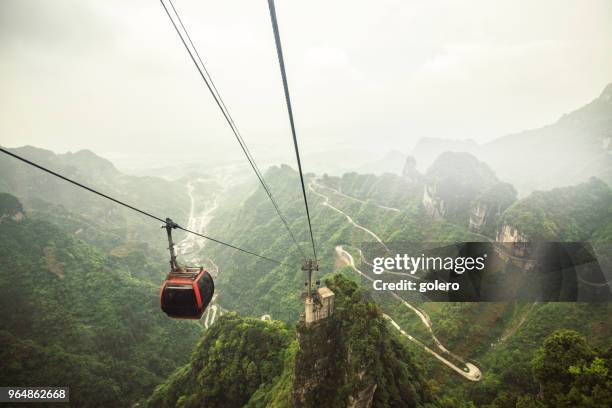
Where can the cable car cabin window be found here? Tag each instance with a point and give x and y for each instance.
(207, 288)
(180, 300)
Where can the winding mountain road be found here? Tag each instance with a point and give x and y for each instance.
(340, 193)
(470, 371)
(349, 219)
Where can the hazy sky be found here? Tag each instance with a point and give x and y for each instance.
(112, 75)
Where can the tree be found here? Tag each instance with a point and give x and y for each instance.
(570, 373)
(592, 386)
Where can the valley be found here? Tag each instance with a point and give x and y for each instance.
(306, 204)
(348, 217)
(471, 372)
(474, 351)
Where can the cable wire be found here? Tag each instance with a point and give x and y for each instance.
(232, 123)
(225, 111)
(233, 246)
(281, 62)
(76, 183)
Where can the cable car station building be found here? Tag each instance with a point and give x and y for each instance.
(319, 305)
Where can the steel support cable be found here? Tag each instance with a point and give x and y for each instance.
(281, 62)
(211, 80)
(235, 247)
(131, 207)
(234, 127)
(218, 94)
(226, 114)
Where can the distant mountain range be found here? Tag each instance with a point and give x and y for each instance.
(570, 151)
(83, 307)
(573, 149)
(94, 270)
(40, 191)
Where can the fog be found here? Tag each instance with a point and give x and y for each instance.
(112, 76)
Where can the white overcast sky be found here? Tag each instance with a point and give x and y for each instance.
(112, 76)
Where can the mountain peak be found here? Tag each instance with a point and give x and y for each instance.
(34, 153)
(606, 94)
(86, 159)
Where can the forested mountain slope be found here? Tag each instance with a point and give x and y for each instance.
(72, 315)
(567, 152)
(255, 287)
(40, 191)
(350, 359)
(235, 359)
(576, 213)
(80, 292)
(491, 333)
(118, 232)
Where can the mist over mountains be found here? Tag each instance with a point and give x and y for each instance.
(94, 268)
(68, 237)
(569, 151)
(414, 211)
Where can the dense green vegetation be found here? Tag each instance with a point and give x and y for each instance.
(565, 372)
(249, 362)
(236, 358)
(355, 354)
(469, 329)
(9, 205)
(78, 294)
(253, 286)
(43, 192)
(509, 366)
(250, 285)
(75, 316)
(563, 214)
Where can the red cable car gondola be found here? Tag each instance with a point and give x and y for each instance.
(187, 291)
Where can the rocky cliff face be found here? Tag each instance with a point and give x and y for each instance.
(321, 368)
(508, 233)
(488, 207)
(352, 359)
(452, 184)
(410, 171)
(433, 203)
(478, 216)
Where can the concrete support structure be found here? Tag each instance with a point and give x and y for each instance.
(319, 306)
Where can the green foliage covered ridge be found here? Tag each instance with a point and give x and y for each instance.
(237, 357)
